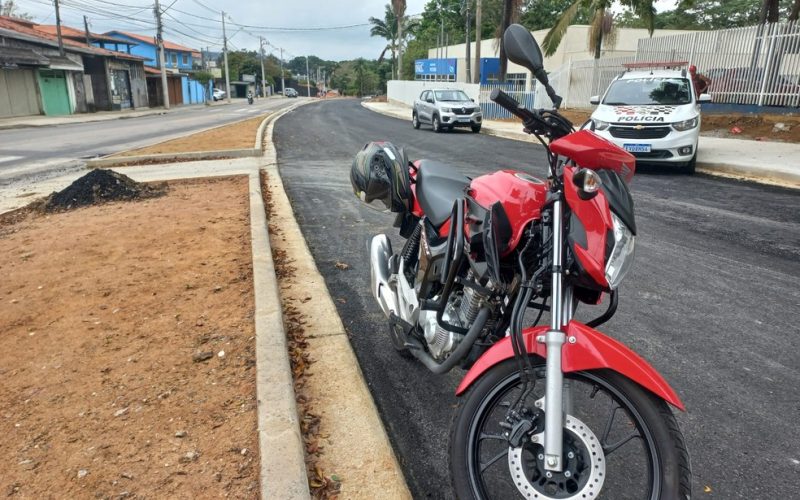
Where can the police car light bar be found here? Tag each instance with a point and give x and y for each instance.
(655, 65)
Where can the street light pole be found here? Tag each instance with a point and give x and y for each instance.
(161, 58)
(283, 83)
(261, 54)
(308, 79)
(225, 56)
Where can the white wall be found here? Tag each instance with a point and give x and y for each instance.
(573, 47)
(405, 92)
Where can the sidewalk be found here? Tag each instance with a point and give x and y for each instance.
(100, 116)
(766, 162)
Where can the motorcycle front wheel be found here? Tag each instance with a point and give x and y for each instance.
(620, 441)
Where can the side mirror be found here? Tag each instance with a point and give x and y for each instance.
(704, 98)
(595, 99)
(471, 99)
(430, 100)
(521, 48)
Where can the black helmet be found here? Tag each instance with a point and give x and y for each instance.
(380, 173)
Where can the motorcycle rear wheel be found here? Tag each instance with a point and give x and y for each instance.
(644, 452)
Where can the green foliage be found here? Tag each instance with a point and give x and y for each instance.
(543, 14)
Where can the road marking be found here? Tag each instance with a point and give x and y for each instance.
(4, 159)
(252, 110)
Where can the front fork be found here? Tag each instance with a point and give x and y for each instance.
(558, 400)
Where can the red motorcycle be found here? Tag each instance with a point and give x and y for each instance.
(558, 412)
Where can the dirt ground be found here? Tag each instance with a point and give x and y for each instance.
(239, 135)
(753, 127)
(127, 349)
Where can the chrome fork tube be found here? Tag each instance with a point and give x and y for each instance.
(554, 339)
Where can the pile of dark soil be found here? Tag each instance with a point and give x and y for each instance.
(101, 186)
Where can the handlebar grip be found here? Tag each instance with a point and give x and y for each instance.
(507, 102)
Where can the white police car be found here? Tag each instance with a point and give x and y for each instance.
(654, 115)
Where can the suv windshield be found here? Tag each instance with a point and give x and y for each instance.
(451, 95)
(643, 91)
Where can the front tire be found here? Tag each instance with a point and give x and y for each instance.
(479, 473)
(476, 128)
(689, 168)
(437, 125)
(415, 121)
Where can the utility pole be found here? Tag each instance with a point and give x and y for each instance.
(283, 84)
(469, 42)
(478, 36)
(225, 56)
(261, 54)
(58, 30)
(308, 79)
(161, 62)
(86, 31)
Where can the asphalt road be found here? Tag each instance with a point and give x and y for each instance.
(33, 154)
(712, 301)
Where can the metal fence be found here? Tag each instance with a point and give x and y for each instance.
(757, 65)
(519, 91)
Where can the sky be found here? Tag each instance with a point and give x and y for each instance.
(197, 23)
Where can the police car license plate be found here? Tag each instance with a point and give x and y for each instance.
(637, 148)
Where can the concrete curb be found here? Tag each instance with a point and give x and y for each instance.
(277, 469)
(283, 466)
(743, 172)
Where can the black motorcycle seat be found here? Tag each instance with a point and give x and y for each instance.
(438, 186)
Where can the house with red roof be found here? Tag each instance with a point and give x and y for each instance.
(35, 78)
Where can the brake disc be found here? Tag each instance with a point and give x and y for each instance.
(584, 466)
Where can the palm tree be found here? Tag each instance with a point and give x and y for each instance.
(597, 10)
(395, 32)
(511, 10)
(399, 8)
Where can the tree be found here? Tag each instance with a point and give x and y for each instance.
(399, 8)
(596, 10)
(543, 14)
(394, 31)
(11, 9)
(511, 11)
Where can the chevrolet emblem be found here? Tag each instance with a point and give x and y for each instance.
(639, 127)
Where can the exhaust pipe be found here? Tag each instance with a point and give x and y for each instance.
(380, 250)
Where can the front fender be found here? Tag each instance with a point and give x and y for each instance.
(592, 350)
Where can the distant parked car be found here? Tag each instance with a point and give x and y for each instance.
(445, 109)
(290, 92)
(750, 80)
(218, 94)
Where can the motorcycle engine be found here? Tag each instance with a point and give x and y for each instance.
(461, 310)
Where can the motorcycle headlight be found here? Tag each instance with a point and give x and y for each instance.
(600, 124)
(685, 125)
(621, 257)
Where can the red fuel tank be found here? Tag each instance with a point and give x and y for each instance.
(521, 195)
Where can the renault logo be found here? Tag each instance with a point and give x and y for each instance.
(463, 110)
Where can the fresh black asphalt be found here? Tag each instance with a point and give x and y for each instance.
(712, 301)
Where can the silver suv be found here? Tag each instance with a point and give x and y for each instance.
(445, 109)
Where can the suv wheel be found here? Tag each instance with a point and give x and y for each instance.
(476, 128)
(437, 126)
(415, 120)
(690, 167)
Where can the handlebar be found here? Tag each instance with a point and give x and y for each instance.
(548, 123)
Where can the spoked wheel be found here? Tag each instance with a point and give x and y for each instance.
(415, 120)
(437, 125)
(620, 441)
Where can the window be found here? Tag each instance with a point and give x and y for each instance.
(649, 91)
(423, 96)
(174, 59)
(185, 60)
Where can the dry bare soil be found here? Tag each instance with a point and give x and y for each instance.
(239, 135)
(127, 349)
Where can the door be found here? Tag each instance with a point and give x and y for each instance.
(18, 93)
(424, 110)
(121, 88)
(55, 97)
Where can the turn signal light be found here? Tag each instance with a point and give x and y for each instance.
(588, 183)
